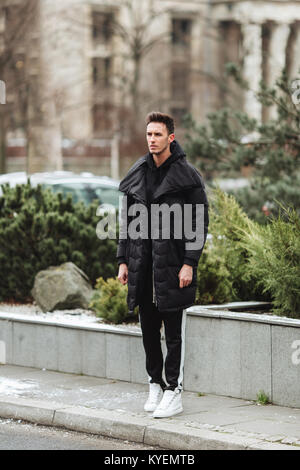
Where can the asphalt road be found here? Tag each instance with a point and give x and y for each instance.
(16, 435)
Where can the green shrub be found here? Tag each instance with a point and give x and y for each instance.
(246, 260)
(214, 278)
(110, 301)
(274, 259)
(222, 270)
(262, 398)
(39, 229)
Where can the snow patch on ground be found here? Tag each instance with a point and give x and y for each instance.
(71, 316)
(14, 386)
(34, 310)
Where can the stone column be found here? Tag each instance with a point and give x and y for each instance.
(201, 103)
(62, 99)
(208, 61)
(277, 57)
(2, 29)
(44, 130)
(295, 66)
(252, 44)
(66, 28)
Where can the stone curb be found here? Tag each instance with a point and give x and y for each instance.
(123, 425)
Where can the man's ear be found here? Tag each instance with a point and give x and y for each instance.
(171, 138)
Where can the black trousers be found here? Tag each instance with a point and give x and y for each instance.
(151, 320)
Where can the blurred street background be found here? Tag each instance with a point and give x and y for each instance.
(81, 75)
(77, 79)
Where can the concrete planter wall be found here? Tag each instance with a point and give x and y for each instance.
(227, 353)
(239, 354)
(94, 349)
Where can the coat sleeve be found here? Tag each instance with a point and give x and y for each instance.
(123, 230)
(197, 221)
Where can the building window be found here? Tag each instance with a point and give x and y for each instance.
(180, 81)
(102, 26)
(102, 117)
(181, 31)
(101, 71)
(179, 113)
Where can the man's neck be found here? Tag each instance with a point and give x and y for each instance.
(159, 159)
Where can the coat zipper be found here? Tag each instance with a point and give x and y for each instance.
(154, 294)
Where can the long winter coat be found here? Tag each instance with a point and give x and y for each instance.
(181, 184)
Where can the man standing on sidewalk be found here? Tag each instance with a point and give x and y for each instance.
(161, 270)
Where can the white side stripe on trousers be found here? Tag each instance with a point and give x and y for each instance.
(180, 377)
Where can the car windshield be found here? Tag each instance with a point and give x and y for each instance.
(87, 192)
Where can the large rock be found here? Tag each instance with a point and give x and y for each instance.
(62, 287)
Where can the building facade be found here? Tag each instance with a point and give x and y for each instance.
(101, 65)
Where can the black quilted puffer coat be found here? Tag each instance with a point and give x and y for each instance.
(179, 183)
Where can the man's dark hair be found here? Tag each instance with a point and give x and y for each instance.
(156, 116)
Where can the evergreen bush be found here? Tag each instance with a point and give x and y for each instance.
(274, 259)
(222, 270)
(39, 229)
(232, 139)
(246, 260)
(110, 301)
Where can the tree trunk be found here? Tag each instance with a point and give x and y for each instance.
(115, 157)
(43, 133)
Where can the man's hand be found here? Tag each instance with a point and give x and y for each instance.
(185, 276)
(123, 274)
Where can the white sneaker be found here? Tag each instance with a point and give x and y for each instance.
(154, 397)
(170, 405)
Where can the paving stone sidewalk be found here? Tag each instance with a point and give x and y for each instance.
(115, 409)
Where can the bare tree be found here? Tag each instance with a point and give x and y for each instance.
(139, 40)
(132, 28)
(17, 17)
(30, 106)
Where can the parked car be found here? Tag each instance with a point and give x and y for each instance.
(83, 187)
(232, 184)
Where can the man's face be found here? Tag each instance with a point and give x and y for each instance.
(158, 137)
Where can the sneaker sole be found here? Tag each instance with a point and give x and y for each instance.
(150, 408)
(167, 415)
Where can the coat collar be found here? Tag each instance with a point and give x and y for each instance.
(180, 176)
